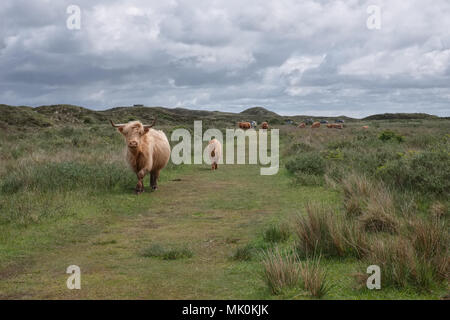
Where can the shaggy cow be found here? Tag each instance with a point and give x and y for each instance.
(315, 125)
(302, 125)
(148, 151)
(365, 127)
(265, 125)
(244, 125)
(335, 126)
(215, 153)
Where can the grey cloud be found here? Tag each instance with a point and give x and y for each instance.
(229, 55)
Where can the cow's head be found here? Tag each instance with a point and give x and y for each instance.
(133, 131)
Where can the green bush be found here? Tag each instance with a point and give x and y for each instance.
(307, 163)
(427, 172)
(388, 135)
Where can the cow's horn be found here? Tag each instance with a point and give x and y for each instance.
(116, 125)
(151, 125)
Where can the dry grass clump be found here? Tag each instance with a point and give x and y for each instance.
(371, 203)
(324, 231)
(281, 270)
(379, 214)
(314, 278)
(356, 189)
(243, 253)
(430, 240)
(402, 263)
(396, 260)
(439, 210)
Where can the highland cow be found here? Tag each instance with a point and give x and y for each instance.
(215, 153)
(244, 125)
(148, 151)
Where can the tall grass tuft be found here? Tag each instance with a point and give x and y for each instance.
(277, 233)
(280, 270)
(379, 215)
(403, 266)
(430, 240)
(356, 189)
(314, 278)
(324, 231)
(243, 253)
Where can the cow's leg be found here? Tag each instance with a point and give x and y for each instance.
(151, 178)
(154, 179)
(140, 185)
(215, 166)
(212, 166)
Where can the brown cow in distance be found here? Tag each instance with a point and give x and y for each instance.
(148, 151)
(315, 125)
(302, 125)
(264, 125)
(244, 125)
(335, 126)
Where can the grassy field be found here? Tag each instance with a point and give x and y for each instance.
(342, 200)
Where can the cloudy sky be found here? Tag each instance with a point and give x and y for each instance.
(293, 57)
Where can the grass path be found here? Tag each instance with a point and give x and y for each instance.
(211, 213)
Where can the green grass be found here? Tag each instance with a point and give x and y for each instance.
(66, 197)
(158, 251)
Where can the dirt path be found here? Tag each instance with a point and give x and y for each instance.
(211, 213)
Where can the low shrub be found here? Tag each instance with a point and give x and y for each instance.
(389, 135)
(427, 172)
(307, 163)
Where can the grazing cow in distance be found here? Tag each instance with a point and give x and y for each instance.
(315, 125)
(302, 125)
(264, 125)
(245, 125)
(148, 151)
(335, 126)
(215, 153)
(365, 127)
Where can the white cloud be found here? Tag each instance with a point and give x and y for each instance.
(411, 61)
(291, 56)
